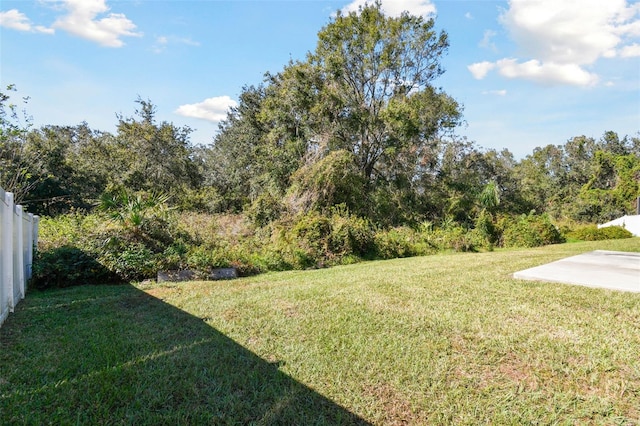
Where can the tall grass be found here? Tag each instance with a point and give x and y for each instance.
(443, 339)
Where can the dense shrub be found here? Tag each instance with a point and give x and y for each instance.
(351, 235)
(395, 242)
(129, 246)
(486, 229)
(265, 209)
(458, 238)
(315, 240)
(68, 266)
(333, 180)
(405, 242)
(75, 228)
(529, 231)
(593, 233)
(129, 259)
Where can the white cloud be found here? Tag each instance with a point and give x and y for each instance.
(396, 7)
(480, 70)
(160, 45)
(561, 38)
(486, 40)
(82, 21)
(630, 51)
(548, 73)
(188, 41)
(212, 109)
(16, 20)
(162, 42)
(502, 92)
(468, 15)
(569, 31)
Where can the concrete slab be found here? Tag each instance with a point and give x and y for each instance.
(614, 270)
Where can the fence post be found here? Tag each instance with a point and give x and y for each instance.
(4, 294)
(18, 255)
(7, 250)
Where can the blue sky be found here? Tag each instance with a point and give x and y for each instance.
(528, 72)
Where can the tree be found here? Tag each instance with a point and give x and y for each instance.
(362, 99)
(233, 164)
(154, 157)
(365, 91)
(19, 169)
(542, 177)
(331, 181)
(613, 187)
(77, 163)
(373, 95)
(584, 179)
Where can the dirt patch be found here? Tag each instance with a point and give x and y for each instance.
(230, 314)
(290, 310)
(396, 409)
(519, 372)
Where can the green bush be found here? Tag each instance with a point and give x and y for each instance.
(129, 260)
(75, 228)
(265, 209)
(592, 233)
(68, 266)
(486, 228)
(315, 240)
(395, 242)
(350, 235)
(406, 242)
(529, 231)
(456, 238)
(126, 252)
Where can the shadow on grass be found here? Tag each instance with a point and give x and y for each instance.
(116, 355)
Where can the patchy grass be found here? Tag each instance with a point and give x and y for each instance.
(442, 339)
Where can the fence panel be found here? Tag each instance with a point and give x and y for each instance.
(18, 240)
(6, 261)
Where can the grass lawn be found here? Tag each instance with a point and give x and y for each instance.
(444, 339)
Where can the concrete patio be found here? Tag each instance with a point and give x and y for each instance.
(604, 269)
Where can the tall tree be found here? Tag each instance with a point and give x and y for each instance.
(374, 96)
(613, 188)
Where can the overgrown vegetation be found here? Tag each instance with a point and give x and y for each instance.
(136, 243)
(444, 339)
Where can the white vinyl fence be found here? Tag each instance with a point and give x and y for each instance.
(630, 223)
(18, 239)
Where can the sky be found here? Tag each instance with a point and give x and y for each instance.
(527, 72)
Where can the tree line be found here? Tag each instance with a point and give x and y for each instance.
(357, 124)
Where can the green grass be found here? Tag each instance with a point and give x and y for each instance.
(443, 339)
